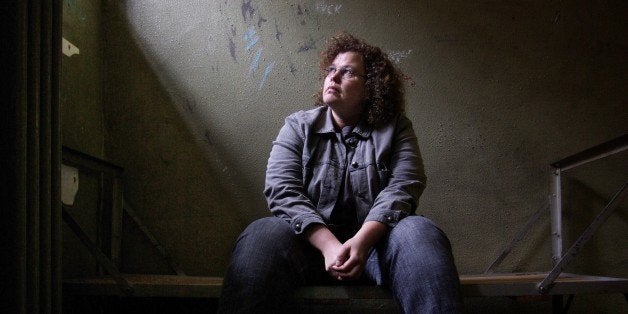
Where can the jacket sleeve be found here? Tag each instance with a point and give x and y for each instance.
(284, 190)
(400, 197)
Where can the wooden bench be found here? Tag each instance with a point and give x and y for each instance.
(507, 284)
(554, 283)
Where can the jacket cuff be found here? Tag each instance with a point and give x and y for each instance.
(301, 222)
(387, 217)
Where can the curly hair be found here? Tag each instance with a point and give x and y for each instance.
(384, 87)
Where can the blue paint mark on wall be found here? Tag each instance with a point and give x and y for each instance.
(255, 62)
(267, 71)
(250, 38)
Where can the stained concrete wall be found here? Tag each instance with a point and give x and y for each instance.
(193, 93)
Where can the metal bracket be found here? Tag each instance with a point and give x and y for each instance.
(546, 284)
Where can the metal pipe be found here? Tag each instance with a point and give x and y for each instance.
(600, 151)
(516, 239)
(594, 158)
(556, 216)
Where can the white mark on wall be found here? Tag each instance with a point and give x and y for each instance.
(68, 48)
(69, 184)
(397, 56)
(328, 8)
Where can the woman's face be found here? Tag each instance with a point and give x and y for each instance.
(344, 87)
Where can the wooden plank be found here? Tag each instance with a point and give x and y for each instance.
(148, 286)
(509, 284)
(526, 284)
(343, 292)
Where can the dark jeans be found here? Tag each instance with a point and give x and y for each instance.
(269, 262)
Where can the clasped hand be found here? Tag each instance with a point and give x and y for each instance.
(346, 261)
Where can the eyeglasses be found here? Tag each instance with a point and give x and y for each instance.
(345, 72)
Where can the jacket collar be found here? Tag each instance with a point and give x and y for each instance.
(325, 125)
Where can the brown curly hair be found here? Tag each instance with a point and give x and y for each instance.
(384, 87)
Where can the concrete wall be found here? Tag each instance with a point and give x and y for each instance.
(193, 93)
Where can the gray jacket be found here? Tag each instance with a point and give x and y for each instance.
(307, 164)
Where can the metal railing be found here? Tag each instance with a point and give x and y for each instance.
(555, 206)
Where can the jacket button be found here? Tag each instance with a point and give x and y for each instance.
(354, 164)
(389, 218)
(297, 226)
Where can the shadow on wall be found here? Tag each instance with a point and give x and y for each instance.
(528, 85)
(186, 190)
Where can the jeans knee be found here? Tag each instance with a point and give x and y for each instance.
(420, 226)
(268, 225)
(418, 231)
(266, 232)
(259, 275)
(418, 241)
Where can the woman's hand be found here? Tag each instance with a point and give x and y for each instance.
(325, 241)
(354, 252)
(334, 257)
(346, 261)
(350, 260)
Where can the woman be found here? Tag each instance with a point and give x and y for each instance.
(343, 182)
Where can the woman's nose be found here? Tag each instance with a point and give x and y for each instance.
(336, 76)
